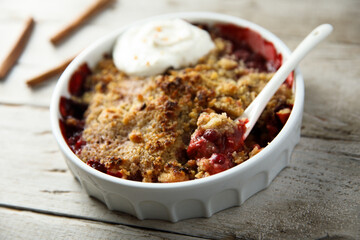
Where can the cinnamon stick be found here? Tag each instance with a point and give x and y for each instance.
(48, 74)
(90, 12)
(17, 49)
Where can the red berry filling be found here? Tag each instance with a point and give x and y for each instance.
(77, 80)
(219, 162)
(255, 51)
(102, 168)
(115, 174)
(216, 147)
(97, 165)
(70, 108)
(72, 112)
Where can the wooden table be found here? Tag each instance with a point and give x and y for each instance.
(316, 197)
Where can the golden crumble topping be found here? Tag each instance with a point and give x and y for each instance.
(140, 128)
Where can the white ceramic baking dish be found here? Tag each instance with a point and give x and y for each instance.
(190, 199)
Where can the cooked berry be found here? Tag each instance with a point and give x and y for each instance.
(77, 80)
(97, 165)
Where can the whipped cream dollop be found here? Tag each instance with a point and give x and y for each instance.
(153, 47)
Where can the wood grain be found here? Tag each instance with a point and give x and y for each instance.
(94, 9)
(17, 224)
(316, 197)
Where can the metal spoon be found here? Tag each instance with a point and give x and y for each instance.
(253, 111)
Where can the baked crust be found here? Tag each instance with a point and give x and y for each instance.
(140, 128)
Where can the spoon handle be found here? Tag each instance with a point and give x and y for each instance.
(253, 111)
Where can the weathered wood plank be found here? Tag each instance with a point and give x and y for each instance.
(317, 195)
(15, 224)
(331, 93)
